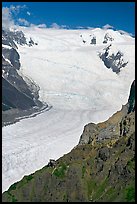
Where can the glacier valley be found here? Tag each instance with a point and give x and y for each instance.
(82, 81)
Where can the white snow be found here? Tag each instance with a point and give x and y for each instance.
(6, 46)
(7, 60)
(73, 79)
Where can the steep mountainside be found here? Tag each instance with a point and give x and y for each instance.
(17, 95)
(101, 168)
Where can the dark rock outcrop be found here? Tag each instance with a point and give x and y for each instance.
(13, 98)
(13, 84)
(107, 38)
(20, 95)
(104, 153)
(93, 40)
(113, 61)
(31, 42)
(13, 57)
(12, 37)
(131, 100)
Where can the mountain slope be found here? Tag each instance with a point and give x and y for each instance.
(100, 170)
(14, 98)
(17, 95)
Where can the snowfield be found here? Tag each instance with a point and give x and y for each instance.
(74, 80)
(70, 74)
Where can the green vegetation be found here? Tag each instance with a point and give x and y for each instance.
(130, 194)
(111, 194)
(91, 186)
(83, 171)
(12, 187)
(131, 165)
(11, 197)
(29, 177)
(60, 171)
(100, 189)
(65, 197)
(14, 199)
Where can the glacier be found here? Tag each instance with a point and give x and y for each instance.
(75, 82)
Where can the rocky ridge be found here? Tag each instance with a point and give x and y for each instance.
(114, 61)
(18, 95)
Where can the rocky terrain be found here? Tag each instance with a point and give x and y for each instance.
(101, 168)
(18, 96)
(114, 61)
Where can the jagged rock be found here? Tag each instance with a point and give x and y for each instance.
(88, 134)
(19, 37)
(121, 169)
(107, 38)
(17, 93)
(10, 37)
(113, 61)
(31, 42)
(99, 164)
(13, 98)
(93, 40)
(52, 163)
(131, 100)
(131, 143)
(104, 153)
(7, 39)
(13, 56)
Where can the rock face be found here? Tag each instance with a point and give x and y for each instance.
(12, 97)
(107, 38)
(93, 40)
(12, 56)
(114, 61)
(101, 168)
(10, 37)
(16, 93)
(131, 100)
(31, 42)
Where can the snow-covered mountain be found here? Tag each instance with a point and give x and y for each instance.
(85, 75)
(73, 74)
(16, 92)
